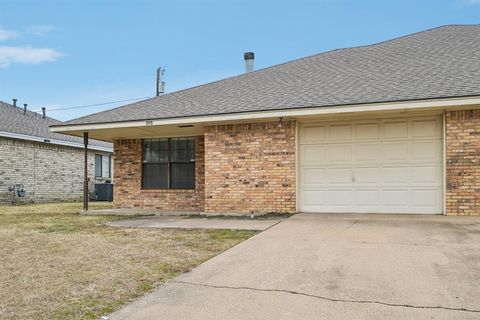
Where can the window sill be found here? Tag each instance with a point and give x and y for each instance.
(153, 190)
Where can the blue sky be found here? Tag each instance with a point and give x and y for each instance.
(69, 53)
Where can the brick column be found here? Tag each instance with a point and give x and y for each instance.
(250, 168)
(462, 140)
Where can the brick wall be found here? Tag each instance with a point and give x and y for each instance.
(462, 135)
(48, 172)
(128, 192)
(250, 168)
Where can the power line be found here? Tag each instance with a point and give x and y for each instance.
(93, 105)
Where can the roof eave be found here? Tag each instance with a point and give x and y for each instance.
(279, 113)
(19, 136)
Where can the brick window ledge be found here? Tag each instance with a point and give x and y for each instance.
(169, 190)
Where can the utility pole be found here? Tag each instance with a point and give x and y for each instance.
(160, 82)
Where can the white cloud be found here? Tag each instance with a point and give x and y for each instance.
(40, 31)
(26, 55)
(7, 34)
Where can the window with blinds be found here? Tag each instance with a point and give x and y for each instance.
(169, 163)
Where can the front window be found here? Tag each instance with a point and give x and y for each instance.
(169, 163)
(103, 166)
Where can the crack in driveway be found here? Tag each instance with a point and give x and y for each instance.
(328, 298)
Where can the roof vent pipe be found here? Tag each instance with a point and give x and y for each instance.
(24, 108)
(44, 111)
(14, 102)
(248, 57)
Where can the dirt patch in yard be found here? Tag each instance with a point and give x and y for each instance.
(57, 264)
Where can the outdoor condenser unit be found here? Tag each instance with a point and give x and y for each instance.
(17, 190)
(104, 191)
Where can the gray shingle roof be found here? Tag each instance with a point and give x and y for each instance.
(436, 63)
(12, 120)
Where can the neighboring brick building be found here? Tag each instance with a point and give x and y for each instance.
(392, 127)
(49, 165)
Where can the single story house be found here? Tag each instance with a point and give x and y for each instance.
(392, 127)
(48, 165)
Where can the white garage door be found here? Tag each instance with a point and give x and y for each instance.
(391, 165)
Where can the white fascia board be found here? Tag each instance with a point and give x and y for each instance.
(310, 111)
(52, 141)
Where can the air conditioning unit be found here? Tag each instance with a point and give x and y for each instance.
(104, 191)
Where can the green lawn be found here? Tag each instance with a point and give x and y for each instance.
(57, 264)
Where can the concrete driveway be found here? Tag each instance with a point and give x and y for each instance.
(319, 266)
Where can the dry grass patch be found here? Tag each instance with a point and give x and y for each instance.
(59, 265)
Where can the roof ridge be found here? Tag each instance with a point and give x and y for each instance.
(33, 124)
(29, 112)
(268, 68)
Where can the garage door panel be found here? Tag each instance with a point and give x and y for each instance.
(426, 198)
(376, 165)
(340, 132)
(366, 131)
(425, 150)
(313, 197)
(395, 197)
(339, 152)
(425, 175)
(313, 154)
(395, 175)
(314, 134)
(313, 176)
(394, 151)
(426, 128)
(340, 197)
(339, 176)
(367, 175)
(367, 198)
(366, 152)
(394, 129)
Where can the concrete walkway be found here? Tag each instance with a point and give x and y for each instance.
(197, 223)
(333, 267)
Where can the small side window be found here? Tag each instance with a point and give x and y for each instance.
(103, 165)
(98, 165)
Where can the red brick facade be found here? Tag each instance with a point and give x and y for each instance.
(462, 140)
(250, 168)
(128, 192)
(241, 168)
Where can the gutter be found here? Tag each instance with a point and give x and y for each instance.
(52, 141)
(297, 112)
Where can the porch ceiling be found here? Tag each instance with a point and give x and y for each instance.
(110, 134)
